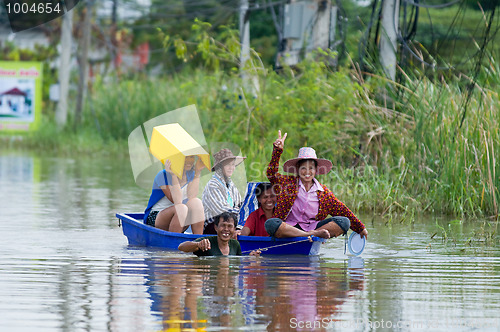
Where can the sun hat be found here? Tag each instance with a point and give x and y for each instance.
(324, 165)
(226, 154)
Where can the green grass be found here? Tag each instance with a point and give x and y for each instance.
(398, 149)
(49, 137)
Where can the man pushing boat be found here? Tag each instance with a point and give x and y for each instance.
(221, 245)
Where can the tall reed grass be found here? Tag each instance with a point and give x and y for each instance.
(397, 148)
(390, 155)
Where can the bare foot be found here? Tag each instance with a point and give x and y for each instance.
(323, 233)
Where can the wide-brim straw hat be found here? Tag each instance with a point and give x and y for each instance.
(226, 154)
(324, 165)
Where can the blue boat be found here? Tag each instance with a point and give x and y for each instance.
(140, 234)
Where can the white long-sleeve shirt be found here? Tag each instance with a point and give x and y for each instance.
(218, 197)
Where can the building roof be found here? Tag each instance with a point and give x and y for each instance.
(14, 92)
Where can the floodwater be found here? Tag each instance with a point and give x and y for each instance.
(66, 266)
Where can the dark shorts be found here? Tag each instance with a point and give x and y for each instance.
(151, 218)
(273, 224)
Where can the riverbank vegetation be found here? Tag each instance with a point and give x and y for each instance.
(428, 143)
(397, 148)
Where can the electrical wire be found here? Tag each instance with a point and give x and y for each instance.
(412, 22)
(405, 43)
(268, 5)
(342, 28)
(470, 87)
(363, 44)
(444, 5)
(279, 29)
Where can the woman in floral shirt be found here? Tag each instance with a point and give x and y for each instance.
(303, 203)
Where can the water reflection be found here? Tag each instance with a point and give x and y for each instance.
(175, 299)
(59, 241)
(65, 266)
(291, 293)
(65, 193)
(262, 293)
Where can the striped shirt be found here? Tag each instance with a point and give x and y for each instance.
(218, 197)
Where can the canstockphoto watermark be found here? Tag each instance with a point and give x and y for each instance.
(391, 324)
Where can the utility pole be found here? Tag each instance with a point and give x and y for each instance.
(388, 39)
(114, 18)
(64, 68)
(114, 14)
(244, 34)
(83, 63)
(308, 25)
(321, 29)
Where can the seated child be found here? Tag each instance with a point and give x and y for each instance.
(220, 194)
(267, 200)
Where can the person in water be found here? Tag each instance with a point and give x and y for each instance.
(220, 194)
(173, 204)
(303, 203)
(221, 245)
(266, 198)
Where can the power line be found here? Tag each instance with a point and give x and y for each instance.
(460, 12)
(470, 87)
(423, 5)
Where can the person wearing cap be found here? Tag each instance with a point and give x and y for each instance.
(303, 203)
(254, 225)
(173, 204)
(220, 194)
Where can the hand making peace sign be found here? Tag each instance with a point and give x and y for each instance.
(280, 142)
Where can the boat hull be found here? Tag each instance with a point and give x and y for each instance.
(140, 234)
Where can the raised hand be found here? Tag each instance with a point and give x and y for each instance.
(280, 141)
(168, 167)
(199, 165)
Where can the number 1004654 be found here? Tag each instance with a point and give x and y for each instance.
(38, 7)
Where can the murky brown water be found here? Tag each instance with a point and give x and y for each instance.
(66, 266)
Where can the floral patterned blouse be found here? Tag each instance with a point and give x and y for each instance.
(286, 187)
